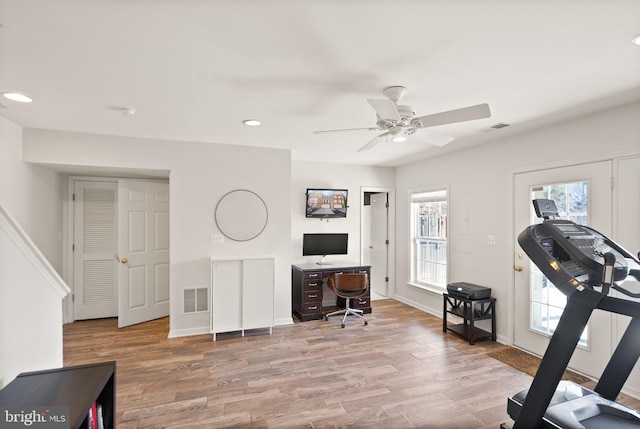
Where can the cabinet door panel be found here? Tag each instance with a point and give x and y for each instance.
(257, 296)
(226, 295)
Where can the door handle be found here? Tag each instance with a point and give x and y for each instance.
(518, 268)
(124, 260)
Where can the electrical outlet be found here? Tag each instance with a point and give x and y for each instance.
(491, 240)
(217, 238)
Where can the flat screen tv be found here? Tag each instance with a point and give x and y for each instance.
(326, 203)
(323, 244)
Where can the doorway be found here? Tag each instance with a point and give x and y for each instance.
(377, 239)
(119, 249)
(583, 194)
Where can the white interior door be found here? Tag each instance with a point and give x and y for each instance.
(143, 251)
(94, 247)
(379, 247)
(538, 303)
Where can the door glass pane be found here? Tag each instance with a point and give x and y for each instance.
(547, 302)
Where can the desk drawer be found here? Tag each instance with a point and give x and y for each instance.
(312, 285)
(312, 275)
(310, 297)
(310, 309)
(330, 273)
(362, 302)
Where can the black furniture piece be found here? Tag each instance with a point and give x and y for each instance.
(76, 387)
(584, 265)
(470, 310)
(307, 281)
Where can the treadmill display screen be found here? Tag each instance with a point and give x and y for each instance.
(567, 228)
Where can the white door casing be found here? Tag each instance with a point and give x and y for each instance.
(592, 359)
(143, 251)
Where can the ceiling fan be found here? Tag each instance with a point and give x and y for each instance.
(398, 122)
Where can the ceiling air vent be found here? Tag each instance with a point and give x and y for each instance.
(492, 128)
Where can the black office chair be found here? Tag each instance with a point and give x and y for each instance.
(348, 286)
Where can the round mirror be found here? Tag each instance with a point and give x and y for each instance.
(241, 215)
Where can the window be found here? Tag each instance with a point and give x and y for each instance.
(547, 302)
(429, 211)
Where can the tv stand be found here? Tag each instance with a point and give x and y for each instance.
(323, 262)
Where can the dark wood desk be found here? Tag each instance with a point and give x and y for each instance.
(307, 283)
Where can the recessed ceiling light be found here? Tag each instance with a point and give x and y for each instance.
(127, 111)
(636, 40)
(252, 122)
(16, 96)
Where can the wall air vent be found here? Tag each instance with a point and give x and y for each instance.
(195, 300)
(492, 128)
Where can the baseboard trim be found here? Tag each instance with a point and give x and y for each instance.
(414, 304)
(175, 333)
(284, 321)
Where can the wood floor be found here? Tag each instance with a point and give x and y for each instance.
(400, 371)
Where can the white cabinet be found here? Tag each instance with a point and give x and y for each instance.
(242, 294)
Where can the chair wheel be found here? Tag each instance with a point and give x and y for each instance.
(326, 318)
(366, 322)
(342, 325)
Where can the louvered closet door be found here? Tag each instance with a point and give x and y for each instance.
(95, 247)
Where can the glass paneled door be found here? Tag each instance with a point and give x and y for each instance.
(582, 194)
(546, 301)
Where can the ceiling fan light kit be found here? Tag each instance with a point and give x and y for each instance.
(400, 122)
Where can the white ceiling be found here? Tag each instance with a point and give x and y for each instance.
(194, 69)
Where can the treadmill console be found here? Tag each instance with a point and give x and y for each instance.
(574, 257)
(583, 250)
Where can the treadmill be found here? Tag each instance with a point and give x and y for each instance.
(587, 267)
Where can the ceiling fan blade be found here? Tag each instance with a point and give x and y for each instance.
(479, 111)
(373, 142)
(434, 138)
(385, 109)
(346, 129)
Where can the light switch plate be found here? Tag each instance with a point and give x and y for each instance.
(217, 238)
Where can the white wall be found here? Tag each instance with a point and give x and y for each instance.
(307, 174)
(31, 294)
(32, 194)
(200, 174)
(480, 184)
